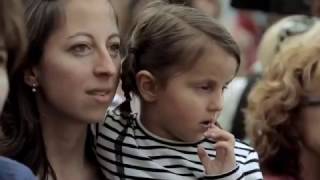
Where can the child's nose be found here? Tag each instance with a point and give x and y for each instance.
(215, 102)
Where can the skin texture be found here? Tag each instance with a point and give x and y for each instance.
(210, 7)
(310, 124)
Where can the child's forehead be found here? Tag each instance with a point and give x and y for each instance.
(203, 51)
(212, 63)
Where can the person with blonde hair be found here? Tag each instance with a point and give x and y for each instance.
(283, 112)
(284, 32)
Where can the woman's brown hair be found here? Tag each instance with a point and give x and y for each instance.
(12, 31)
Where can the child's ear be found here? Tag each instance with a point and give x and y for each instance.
(31, 77)
(147, 85)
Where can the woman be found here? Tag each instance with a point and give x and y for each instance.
(69, 78)
(283, 114)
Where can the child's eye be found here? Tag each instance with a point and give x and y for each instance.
(80, 50)
(205, 88)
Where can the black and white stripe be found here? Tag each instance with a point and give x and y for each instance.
(143, 156)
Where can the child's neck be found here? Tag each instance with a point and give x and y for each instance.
(150, 121)
(310, 162)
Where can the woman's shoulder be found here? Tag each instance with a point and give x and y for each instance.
(13, 170)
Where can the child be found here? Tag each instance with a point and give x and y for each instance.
(180, 62)
(12, 44)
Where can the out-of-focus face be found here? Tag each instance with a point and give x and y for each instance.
(122, 10)
(4, 85)
(315, 7)
(310, 120)
(210, 7)
(78, 73)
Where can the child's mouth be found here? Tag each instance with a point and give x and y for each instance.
(207, 124)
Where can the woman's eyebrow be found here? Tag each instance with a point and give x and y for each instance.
(80, 34)
(114, 35)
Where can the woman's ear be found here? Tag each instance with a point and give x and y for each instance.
(31, 77)
(147, 85)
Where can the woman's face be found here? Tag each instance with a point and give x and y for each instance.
(78, 73)
(210, 7)
(4, 85)
(310, 121)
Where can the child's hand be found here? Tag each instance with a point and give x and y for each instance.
(225, 158)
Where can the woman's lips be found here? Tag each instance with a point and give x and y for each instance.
(100, 95)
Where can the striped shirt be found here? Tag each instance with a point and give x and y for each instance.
(126, 150)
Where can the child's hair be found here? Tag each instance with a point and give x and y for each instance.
(166, 39)
(274, 104)
(12, 31)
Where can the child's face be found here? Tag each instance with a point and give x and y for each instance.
(192, 101)
(4, 85)
(78, 73)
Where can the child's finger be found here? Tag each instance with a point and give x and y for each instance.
(203, 156)
(223, 149)
(219, 135)
(225, 153)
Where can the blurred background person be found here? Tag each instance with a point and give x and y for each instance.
(12, 47)
(283, 114)
(286, 31)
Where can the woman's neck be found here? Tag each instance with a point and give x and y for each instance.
(310, 162)
(65, 142)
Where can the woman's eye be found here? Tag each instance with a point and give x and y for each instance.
(114, 50)
(80, 50)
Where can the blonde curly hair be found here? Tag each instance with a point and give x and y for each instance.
(272, 114)
(285, 31)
